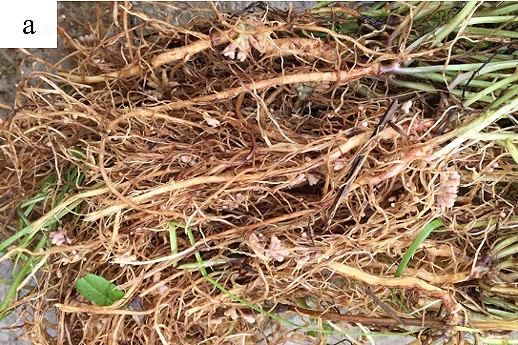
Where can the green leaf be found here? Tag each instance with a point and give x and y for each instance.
(409, 254)
(513, 150)
(427, 230)
(98, 290)
(78, 153)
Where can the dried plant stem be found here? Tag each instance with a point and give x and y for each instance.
(5, 106)
(316, 77)
(366, 319)
(298, 46)
(467, 131)
(493, 325)
(348, 145)
(425, 151)
(399, 166)
(449, 303)
(443, 279)
(168, 187)
(242, 127)
(184, 52)
(100, 310)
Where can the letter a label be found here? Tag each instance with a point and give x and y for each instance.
(28, 27)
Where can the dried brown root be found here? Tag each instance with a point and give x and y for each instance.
(305, 48)
(248, 154)
(180, 53)
(453, 308)
(340, 77)
(398, 167)
(325, 159)
(446, 278)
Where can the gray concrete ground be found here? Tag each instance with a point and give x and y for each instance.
(8, 332)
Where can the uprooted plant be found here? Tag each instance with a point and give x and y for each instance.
(206, 183)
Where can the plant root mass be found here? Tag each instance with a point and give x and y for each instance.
(267, 176)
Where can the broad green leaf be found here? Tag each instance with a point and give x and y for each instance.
(98, 290)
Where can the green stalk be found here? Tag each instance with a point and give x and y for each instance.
(431, 7)
(499, 10)
(511, 250)
(506, 242)
(513, 91)
(492, 20)
(498, 85)
(508, 264)
(491, 32)
(428, 88)
(498, 75)
(513, 150)
(442, 32)
(468, 67)
(454, 24)
(501, 303)
(501, 313)
(496, 58)
(19, 277)
(484, 222)
(465, 132)
(440, 78)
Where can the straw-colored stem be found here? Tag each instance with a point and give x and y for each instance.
(467, 131)
(184, 52)
(255, 86)
(449, 303)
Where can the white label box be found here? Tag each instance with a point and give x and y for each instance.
(28, 24)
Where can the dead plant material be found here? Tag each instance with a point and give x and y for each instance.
(223, 145)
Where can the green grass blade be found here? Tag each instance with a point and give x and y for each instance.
(427, 230)
(47, 220)
(513, 150)
(18, 278)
